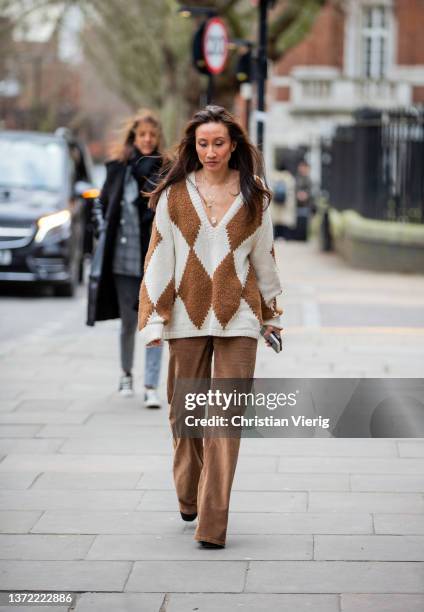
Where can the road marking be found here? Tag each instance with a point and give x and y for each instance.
(311, 314)
(356, 330)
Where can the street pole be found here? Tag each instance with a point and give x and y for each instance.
(261, 72)
(209, 91)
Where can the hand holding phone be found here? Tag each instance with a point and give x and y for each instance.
(273, 338)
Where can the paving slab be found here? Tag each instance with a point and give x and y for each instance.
(17, 521)
(135, 416)
(43, 404)
(43, 416)
(187, 576)
(176, 548)
(300, 522)
(119, 602)
(364, 465)
(411, 449)
(20, 480)
(90, 430)
(12, 445)
(321, 447)
(62, 499)
(115, 445)
(47, 393)
(399, 524)
(108, 522)
(412, 503)
(19, 431)
(8, 405)
(10, 391)
(368, 548)
(335, 577)
(241, 501)
(368, 602)
(107, 406)
(387, 482)
(44, 547)
(102, 481)
(49, 462)
(64, 575)
(252, 603)
(158, 481)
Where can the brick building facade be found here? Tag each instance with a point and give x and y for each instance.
(358, 53)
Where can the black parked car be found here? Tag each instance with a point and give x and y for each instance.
(45, 198)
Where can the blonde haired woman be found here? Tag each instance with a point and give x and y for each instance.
(121, 214)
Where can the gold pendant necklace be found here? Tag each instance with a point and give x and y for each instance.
(209, 202)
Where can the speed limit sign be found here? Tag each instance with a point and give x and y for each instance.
(215, 45)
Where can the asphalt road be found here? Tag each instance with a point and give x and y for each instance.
(26, 309)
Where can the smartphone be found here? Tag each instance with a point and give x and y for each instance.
(274, 340)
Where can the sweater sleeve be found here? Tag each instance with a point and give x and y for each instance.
(262, 258)
(157, 291)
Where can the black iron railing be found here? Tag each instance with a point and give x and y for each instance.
(376, 165)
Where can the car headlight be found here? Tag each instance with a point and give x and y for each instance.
(49, 222)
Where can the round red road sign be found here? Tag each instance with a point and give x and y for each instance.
(215, 45)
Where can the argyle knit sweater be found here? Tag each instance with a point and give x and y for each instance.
(201, 280)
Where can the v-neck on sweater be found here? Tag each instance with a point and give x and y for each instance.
(205, 280)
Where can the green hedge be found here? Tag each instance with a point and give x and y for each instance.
(350, 224)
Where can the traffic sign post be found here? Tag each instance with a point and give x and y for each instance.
(261, 72)
(215, 50)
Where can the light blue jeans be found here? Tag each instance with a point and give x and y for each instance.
(127, 288)
(152, 366)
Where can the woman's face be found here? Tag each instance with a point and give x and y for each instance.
(146, 137)
(214, 146)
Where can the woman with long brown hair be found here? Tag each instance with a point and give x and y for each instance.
(122, 214)
(210, 283)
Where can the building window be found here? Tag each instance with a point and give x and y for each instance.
(375, 35)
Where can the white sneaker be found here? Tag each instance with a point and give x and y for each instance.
(126, 386)
(151, 399)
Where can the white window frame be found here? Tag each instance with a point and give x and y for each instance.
(374, 42)
(354, 45)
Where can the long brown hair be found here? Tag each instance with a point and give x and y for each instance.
(245, 158)
(122, 147)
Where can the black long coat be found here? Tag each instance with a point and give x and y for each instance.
(102, 296)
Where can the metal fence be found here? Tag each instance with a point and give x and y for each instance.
(376, 165)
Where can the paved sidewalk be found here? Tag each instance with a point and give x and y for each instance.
(324, 525)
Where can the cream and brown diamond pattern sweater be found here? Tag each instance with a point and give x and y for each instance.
(201, 280)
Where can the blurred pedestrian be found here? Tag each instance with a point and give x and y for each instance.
(304, 187)
(305, 200)
(210, 282)
(124, 222)
(283, 203)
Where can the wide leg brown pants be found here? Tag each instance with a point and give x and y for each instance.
(204, 468)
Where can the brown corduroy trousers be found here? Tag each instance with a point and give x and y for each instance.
(204, 468)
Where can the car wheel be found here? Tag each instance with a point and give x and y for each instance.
(65, 290)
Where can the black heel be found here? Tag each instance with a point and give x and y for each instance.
(211, 545)
(188, 517)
